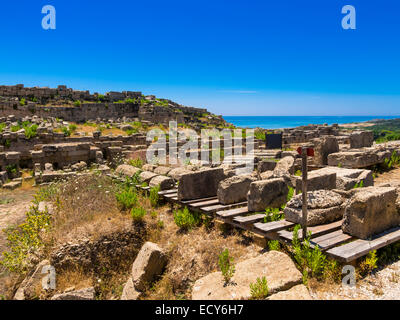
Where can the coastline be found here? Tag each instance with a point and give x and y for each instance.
(287, 122)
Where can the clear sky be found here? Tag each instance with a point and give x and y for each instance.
(286, 57)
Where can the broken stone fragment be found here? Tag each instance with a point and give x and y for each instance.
(370, 211)
(267, 193)
(323, 206)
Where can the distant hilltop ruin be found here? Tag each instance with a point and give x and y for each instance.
(81, 106)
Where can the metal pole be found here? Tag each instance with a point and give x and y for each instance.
(304, 190)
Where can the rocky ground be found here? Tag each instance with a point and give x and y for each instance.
(199, 248)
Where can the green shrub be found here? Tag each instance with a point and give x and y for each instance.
(225, 263)
(31, 131)
(72, 127)
(309, 260)
(22, 102)
(77, 103)
(11, 169)
(127, 198)
(259, 290)
(15, 128)
(298, 173)
(290, 194)
(154, 198)
(186, 220)
(138, 163)
(138, 213)
(274, 245)
(369, 263)
(66, 131)
(273, 214)
(101, 97)
(25, 239)
(359, 185)
(2, 127)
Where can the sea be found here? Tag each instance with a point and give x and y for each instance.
(278, 122)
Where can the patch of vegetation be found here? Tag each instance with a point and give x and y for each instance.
(24, 239)
(370, 263)
(273, 214)
(11, 169)
(259, 134)
(127, 198)
(186, 219)
(391, 162)
(259, 290)
(290, 194)
(77, 103)
(359, 185)
(311, 261)
(66, 131)
(22, 102)
(2, 126)
(138, 213)
(274, 245)
(138, 163)
(154, 197)
(225, 263)
(72, 127)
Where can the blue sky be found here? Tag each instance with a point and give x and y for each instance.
(286, 57)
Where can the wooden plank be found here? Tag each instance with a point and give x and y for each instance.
(218, 207)
(358, 248)
(249, 219)
(188, 202)
(162, 193)
(169, 196)
(228, 214)
(273, 226)
(315, 231)
(204, 203)
(330, 240)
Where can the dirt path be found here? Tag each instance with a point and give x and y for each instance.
(390, 176)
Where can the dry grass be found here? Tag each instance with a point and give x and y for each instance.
(193, 255)
(85, 207)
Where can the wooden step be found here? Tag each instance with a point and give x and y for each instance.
(273, 226)
(249, 219)
(316, 231)
(171, 195)
(229, 214)
(359, 248)
(218, 207)
(162, 193)
(205, 203)
(330, 240)
(188, 202)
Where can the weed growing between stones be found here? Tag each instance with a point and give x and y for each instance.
(225, 263)
(273, 214)
(259, 290)
(310, 260)
(274, 245)
(138, 163)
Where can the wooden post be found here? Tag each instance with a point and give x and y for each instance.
(304, 190)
